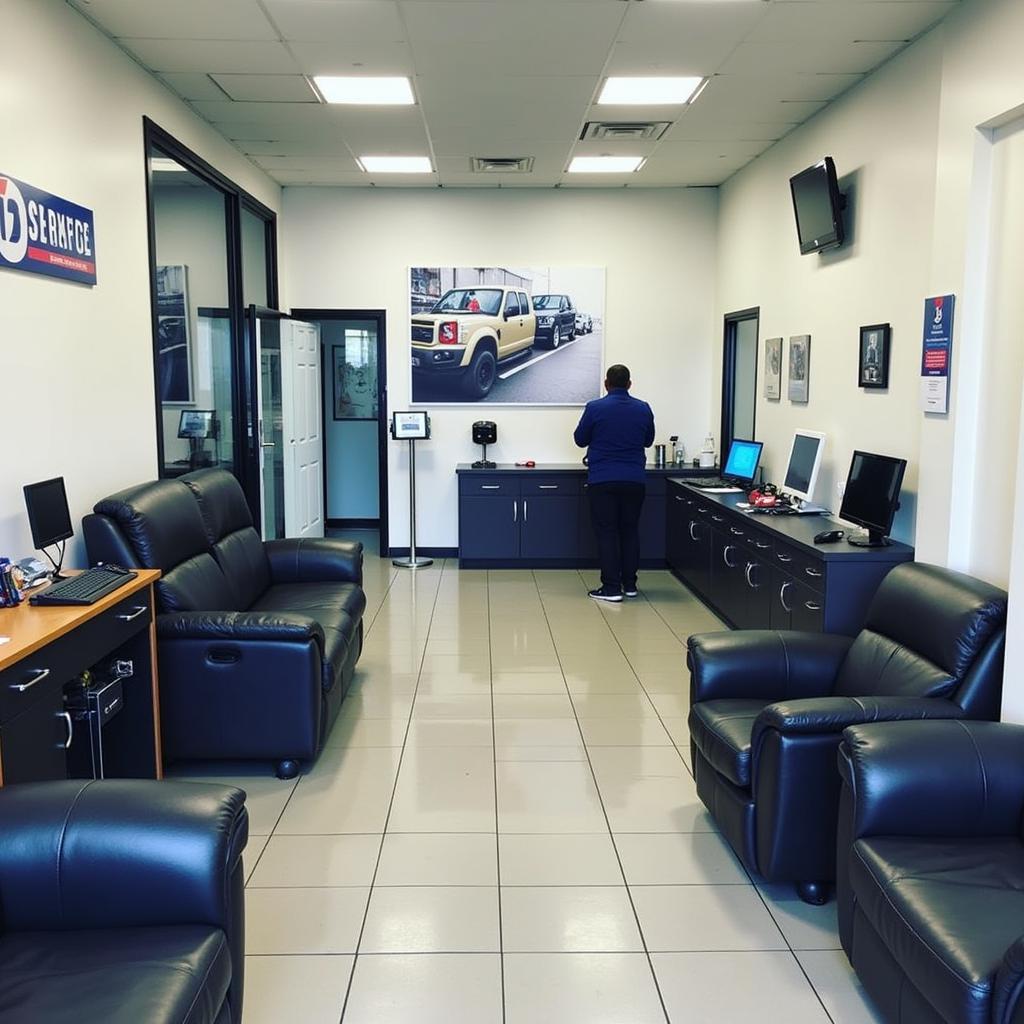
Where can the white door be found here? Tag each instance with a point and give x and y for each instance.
(303, 440)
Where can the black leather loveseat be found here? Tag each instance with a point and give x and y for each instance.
(768, 710)
(121, 902)
(930, 873)
(257, 641)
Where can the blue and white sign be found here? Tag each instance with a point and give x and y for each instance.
(936, 350)
(44, 234)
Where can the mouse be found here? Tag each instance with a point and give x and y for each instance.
(829, 536)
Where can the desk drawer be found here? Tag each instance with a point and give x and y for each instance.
(496, 486)
(802, 567)
(553, 485)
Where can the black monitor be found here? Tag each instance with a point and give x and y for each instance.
(742, 461)
(872, 496)
(48, 515)
(195, 423)
(818, 205)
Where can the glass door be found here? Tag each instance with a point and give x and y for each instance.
(739, 377)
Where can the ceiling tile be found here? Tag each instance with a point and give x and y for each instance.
(201, 55)
(346, 57)
(834, 56)
(193, 86)
(182, 19)
(267, 88)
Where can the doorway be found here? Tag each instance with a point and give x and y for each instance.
(739, 377)
(354, 358)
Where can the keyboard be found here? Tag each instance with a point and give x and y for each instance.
(707, 481)
(86, 588)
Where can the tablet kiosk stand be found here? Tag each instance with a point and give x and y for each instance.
(412, 562)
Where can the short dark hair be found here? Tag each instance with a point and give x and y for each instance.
(617, 376)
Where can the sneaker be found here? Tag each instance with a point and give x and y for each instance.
(630, 591)
(605, 595)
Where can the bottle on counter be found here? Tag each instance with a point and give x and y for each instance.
(707, 453)
(678, 451)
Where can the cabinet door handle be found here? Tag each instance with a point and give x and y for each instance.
(524, 509)
(751, 566)
(515, 511)
(718, 519)
(70, 725)
(812, 606)
(134, 613)
(676, 496)
(693, 536)
(490, 487)
(37, 678)
(725, 556)
(785, 558)
(782, 596)
(760, 546)
(549, 487)
(735, 532)
(814, 572)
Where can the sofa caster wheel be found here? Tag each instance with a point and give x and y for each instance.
(814, 893)
(287, 769)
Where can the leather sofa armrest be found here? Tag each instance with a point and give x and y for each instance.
(763, 664)
(281, 626)
(119, 854)
(315, 560)
(1008, 990)
(834, 714)
(934, 778)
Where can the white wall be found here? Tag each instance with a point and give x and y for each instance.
(347, 248)
(72, 107)
(883, 139)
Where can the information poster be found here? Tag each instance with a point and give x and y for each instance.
(936, 350)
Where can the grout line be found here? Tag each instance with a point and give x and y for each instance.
(394, 788)
(497, 834)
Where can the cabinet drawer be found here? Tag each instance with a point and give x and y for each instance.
(552, 485)
(484, 485)
(802, 567)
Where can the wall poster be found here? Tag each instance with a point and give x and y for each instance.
(506, 335)
(937, 346)
(773, 368)
(799, 367)
(174, 355)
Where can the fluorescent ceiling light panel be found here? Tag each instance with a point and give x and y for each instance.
(365, 90)
(605, 164)
(649, 91)
(396, 164)
(165, 163)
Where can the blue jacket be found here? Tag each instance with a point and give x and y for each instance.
(617, 429)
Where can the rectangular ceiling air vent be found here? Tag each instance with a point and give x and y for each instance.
(629, 130)
(501, 164)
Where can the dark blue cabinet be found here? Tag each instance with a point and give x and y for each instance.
(488, 527)
(549, 527)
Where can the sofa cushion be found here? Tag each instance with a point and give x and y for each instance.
(721, 730)
(171, 975)
(947, 910)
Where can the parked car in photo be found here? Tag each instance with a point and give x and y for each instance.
(556, 319)
(468, 332)
(584, 323)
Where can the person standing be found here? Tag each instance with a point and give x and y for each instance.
(616, 429)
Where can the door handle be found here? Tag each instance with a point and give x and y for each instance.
(70, 725)
(267, 444)
(811, 606)
(490, 487)
(549, 487)
(515, 511)
(37, 678)
(735, 532)
(524, 509)
(718, 519)
(760, 546)
(725, 556)
(676, 496)
(814, 572)
(782, 596)
(693, 536)
(785, 558)
(751, 566)
(134, 614)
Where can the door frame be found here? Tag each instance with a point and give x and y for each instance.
(731, 325)
(379, 316)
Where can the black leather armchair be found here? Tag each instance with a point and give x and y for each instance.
(930, 869)
(257, 641)
(121, 902)
(768, 709)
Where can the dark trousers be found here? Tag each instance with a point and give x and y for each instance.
(615, 512)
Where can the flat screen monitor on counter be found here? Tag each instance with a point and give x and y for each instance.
(804, 463)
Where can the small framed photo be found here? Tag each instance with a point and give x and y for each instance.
(799, 367)
(773, 368)
(873, 367)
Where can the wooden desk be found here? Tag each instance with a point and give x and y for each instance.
(50, 646)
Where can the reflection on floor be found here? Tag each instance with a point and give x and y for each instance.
(504, 828)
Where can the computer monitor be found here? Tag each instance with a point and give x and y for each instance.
(872, 496)
(804, 463)
(195, 423)
(48, 516)
(742, 461)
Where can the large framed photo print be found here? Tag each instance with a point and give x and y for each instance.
(773, 368)
(506, 335)
(174, 354)
(873, 367)
(799, 368)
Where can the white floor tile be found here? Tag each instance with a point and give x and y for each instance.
(679, 859)
(548, 797)
(532, 705)
(303, 920)
(426, 989)
(310, 989)
(570, 919)
(451, 732)
(624, 732)
(838, 987)
(441, 859)
(805, 926)
(364, 732)
(613, 705)
(559, 860)
(527, 732)
(504, 752)
(707, 988)
(251, 855)
(300, 861)
(432, 919)
(580, 988)
(452, 706)
(528, 682)
(445, 790)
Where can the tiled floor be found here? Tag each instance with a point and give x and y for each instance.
(503, 828)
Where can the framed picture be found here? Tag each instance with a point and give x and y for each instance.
(355, 376)
(773, 368)
(873, 368)
(799, 367)
(173, 343)
(506, 335)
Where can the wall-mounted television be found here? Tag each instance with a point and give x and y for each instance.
(818, 205)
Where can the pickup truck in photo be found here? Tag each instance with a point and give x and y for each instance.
(468, 332)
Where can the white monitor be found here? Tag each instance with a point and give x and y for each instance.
(804, 463)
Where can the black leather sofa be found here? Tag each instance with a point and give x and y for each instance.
(257, 641)
(768, 709)
(930, 869)
(121, 903)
